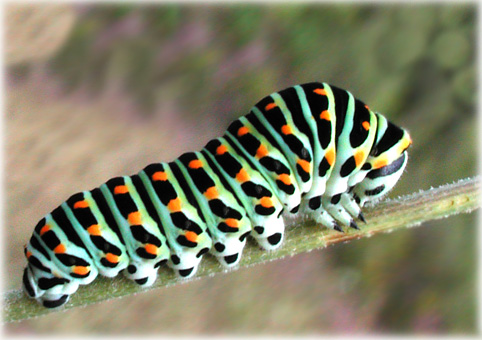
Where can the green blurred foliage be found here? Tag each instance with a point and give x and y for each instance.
(413, 63)
(409, 62)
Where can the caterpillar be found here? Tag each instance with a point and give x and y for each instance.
(311, 148)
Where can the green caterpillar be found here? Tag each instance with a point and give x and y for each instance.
(312, 148)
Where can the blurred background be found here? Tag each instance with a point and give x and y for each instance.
(96, 91)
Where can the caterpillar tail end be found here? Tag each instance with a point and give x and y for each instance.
(53, 301)
(47, 300)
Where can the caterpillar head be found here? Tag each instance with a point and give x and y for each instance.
(387, 161)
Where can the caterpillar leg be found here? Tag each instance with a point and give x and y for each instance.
(268, 224)
(185, 264)
(351, 206)
(332, 212)
(314, 208)
(144, 274)
(228, 251)
(334, 207)
(270, 234)
(228, 246)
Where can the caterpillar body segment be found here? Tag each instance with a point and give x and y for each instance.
(226, 220)
(261, 205)
(312, 147)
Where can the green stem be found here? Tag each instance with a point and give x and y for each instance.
(301, 236)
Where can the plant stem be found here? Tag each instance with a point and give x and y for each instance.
(301, 236)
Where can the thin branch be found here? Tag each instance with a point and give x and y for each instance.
(301, 236)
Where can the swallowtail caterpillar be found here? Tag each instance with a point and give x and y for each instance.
(312, 147)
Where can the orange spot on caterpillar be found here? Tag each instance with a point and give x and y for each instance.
(28, 254)
(286, 129)
(121, 189)
(380, 164)
(60, 249)
(359, 157)
(366, 125)
(242, 176)
(112, 258)
(321, 92)
(270, 106)
(366, 107)
(94, 230)
(222, 149)
(151, 249)
(262, 151)
(159, 176)
(81, 204)
(44, 229)
(191, 236)
(80, 270)
(231, 222)
(134, 218)
(266, 202)
(242, 131)
(285, 178)
(174, 204)
(195, 164)
(330, 156)
(325, 115)
(211, 193)
(305, 165)
(406, 142)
